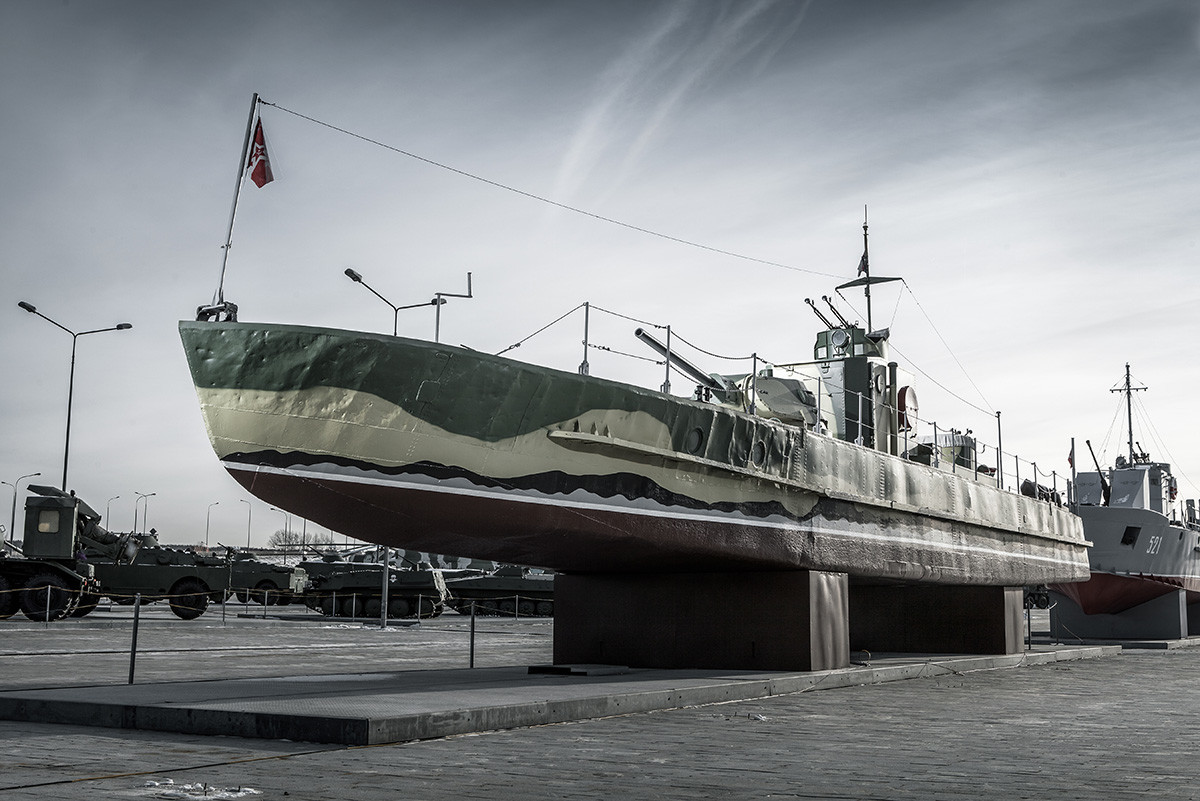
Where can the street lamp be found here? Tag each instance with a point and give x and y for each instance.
(12, 523)
(107, 505)
(141, 496)
(29, 307)
(287, 524)
(438, 300)
(249, 510)
(208, 520)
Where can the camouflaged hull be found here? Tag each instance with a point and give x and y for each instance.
(438, 448)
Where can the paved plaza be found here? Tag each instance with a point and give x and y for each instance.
(1116, 726)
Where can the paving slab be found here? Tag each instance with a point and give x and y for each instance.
(399, 706)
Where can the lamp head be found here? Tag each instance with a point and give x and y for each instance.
(353, 276)
(124, 326)
(29, 307)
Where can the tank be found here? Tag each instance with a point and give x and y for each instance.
(508, 590)
(353, 589)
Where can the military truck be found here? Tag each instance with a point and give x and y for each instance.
(354, 589)
(49, 578)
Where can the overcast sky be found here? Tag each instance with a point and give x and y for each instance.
(1030, 169)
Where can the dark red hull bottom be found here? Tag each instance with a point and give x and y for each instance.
(1106, 594)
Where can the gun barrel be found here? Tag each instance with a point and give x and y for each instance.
(699, 376)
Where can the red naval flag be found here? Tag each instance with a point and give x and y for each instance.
(259, 165)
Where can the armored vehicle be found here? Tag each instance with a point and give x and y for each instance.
(508, 590)
(185, 579)
(354, 589)
(252, 579)
(50, 578)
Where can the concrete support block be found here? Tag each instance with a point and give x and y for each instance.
(1161, 618)
(778, 620)
(935, 618)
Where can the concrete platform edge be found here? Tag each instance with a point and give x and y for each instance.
(40, 706)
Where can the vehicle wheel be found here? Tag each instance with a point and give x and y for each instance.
(352, 606)
(243, 596)
(372, 608)
(545, 608)
(527, 608)
(399, 607)
(87, 605)
(8, 599)
(508, 608)
(189, 598)
(34, 597)
(265, 592)
(283, 599)
(327, 606)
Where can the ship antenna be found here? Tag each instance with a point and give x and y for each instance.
(1129, 389)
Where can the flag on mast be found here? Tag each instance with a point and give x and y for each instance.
(259, 165)
(862, 263)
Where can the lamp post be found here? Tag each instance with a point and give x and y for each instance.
(287, 525)
(107, 505)
(249, 511)
(208, 520)
(438, 300)
(75, 335)
(12, 522)
(142, 496)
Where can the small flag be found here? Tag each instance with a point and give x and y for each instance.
(259, 165)
(1071, 458)
(862, 264)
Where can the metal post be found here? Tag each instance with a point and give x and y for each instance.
(387, 574)
(516, 607)
(48, 606)
(137, 609)
(937, 450)
(999, 452)
(587, 310)
(666, 387)
(420, 601)
(858, 439)
(753, 381)
(472, 634)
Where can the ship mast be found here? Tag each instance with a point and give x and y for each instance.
(865, 269)
(1128, 389)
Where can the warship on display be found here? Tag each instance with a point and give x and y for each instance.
(802, 488)
(1141, 549)
(814, 465)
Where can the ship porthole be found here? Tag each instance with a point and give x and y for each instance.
(758, 454)
(693, 442)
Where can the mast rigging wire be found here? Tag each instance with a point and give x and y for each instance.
(546, 200)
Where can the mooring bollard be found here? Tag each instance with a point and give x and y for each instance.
(137, 609)
(472, 634)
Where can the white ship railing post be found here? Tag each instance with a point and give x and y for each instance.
(999, 452)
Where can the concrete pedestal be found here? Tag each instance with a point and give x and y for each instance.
(781, 620)
(935, 618)
(1161, 618)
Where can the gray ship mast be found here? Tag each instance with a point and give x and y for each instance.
(864, 270)
(1129, 389)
